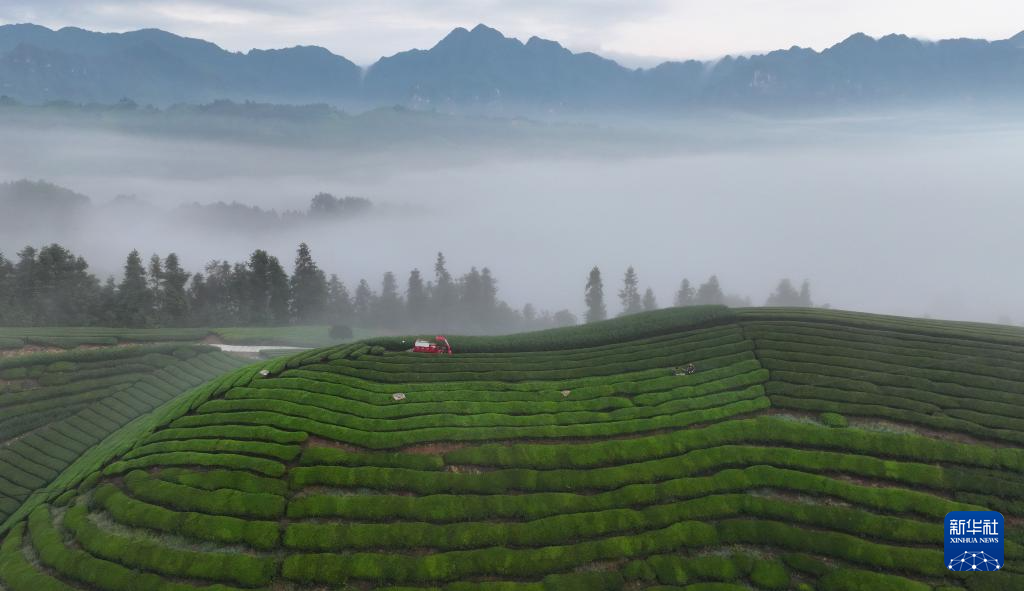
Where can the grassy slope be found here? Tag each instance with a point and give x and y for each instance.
(488, 476)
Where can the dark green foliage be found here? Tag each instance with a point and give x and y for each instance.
(217, 528)
(232, 567)
(594, 297)
(81, 566)
(859, 580)
(215, 502)
(276, 451)
(17, 573)
(769, 574)
(831, 419)
(235, 461)
(224, 479)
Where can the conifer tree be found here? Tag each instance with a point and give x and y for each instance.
(416, 299)
(174, 300)
(9, 312)
(593, 295)
(630, 294)
(685, 296)
(135, 300)
(649, 301)
(709, 293)
(784, 295)
(363, 303)
(339, 302)
(389, 304)
(805, 295)
(444, 296)
(308, 288)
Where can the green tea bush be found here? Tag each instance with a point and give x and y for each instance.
(770, 574)
(844, 579)
(216, 479)
(136, 552)
(245, 432)
(78, 565)
(505, 562)
(834, 420)
(216, 528)
(17, 573)
(223, 460)
(215, 502)
(284, 453)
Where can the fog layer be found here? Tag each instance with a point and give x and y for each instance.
(916, 219)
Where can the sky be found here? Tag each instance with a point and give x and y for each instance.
(638, 32)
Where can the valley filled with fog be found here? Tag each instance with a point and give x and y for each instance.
(919, 217)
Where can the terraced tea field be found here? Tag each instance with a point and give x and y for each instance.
(809, 450)
(55, 407)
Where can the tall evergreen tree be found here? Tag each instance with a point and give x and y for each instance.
(630, 294)
(472, 300)
(240, 293)
(593, 295)
(280, 292)
(784, 295)
(135, 300)
(363, 303)
(220, 305)
(805, 295)
(155, 282)
(199, 301)
(488, 294)
(9, 314)
(649, 302)
(174, 306)
(339, 302)
(709, 293)
(106, 314)
(25, 288)
(686, 295)
(445, 294)
(267, 294)
(416, 299)
(389, 304)
(309, 288)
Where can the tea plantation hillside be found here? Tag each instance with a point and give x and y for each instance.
(55, 407)
(810, 449)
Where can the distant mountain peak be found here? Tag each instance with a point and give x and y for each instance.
(856, 40)
(482, 29)
(477, 36)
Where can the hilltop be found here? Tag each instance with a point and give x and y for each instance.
(480, 69)
(808, 449)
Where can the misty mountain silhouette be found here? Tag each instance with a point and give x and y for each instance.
(483, 69)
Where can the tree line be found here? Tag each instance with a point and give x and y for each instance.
(51, 286)
(707, 293)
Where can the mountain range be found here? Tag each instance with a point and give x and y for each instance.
(483, 70)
